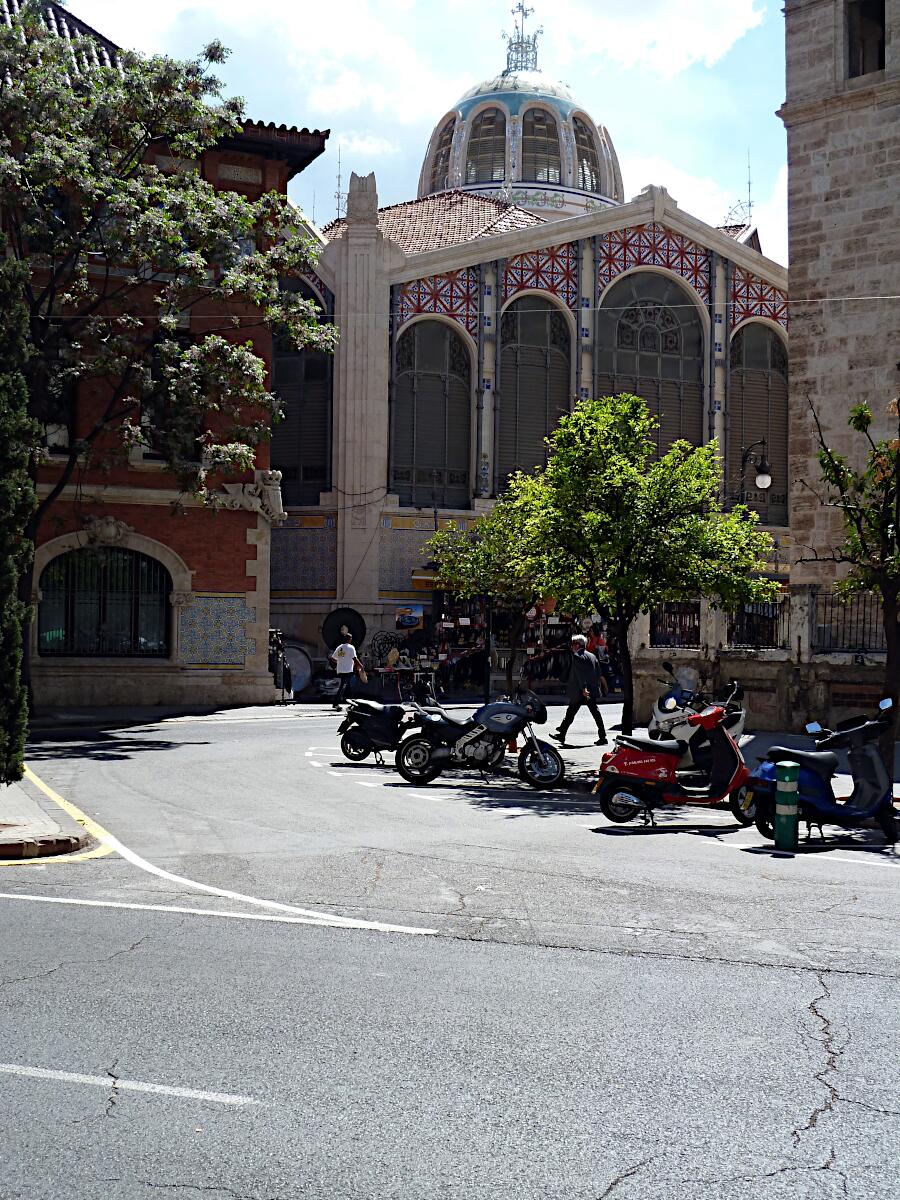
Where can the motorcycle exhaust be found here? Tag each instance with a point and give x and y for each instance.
(440, 753)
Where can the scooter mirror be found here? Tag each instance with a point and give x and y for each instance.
(886, 704)
(814, 727)
(667, 667)
(670, 704)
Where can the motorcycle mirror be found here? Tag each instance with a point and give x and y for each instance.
(670, 704)
(814, 727)
(886, 704)
(667, 667)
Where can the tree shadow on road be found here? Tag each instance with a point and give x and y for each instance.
(99, 747)
(507, 792)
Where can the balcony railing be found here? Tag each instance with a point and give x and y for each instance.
(676, 623)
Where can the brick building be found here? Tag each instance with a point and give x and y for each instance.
(142, 594)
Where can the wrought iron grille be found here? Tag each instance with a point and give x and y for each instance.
(676, 623)
(854, 626)
(104, 602)
(763, 626)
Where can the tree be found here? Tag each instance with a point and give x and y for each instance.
(123, 256)
(608, 527)
(487, 561)
(17, 439)
(869, 500)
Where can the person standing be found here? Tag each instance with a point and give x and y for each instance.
(346, 662)
(582, 688)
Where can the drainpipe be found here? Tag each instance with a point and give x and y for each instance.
(479, 388)
(578, 312)
(499, 271)
(595, 308)
(711, 382)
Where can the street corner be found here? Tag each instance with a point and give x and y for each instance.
(33, 827)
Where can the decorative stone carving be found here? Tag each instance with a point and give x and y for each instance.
(362, 200)
(181, 599)
(262, 496)
(106, 531)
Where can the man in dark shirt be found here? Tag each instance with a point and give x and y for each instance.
(582, 687)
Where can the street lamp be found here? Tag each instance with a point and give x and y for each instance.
(760, 462)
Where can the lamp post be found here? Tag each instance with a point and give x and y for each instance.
(760, 462)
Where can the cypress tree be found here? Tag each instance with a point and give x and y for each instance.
(18, 439)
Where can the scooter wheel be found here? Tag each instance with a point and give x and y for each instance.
(355, 746)
(415, 763)
(887, 823)
(765, 821)
(620, 804)
(744, 816)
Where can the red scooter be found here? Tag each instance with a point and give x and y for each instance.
(641, 773)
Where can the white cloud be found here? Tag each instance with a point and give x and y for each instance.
(771, 220)
(701, 197)
(366, 144)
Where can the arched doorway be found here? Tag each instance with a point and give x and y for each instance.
(534, 383)
(757, 409)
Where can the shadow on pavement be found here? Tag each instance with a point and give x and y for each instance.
(102, 747)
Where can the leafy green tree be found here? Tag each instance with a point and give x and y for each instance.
(609, 527)
(869, 500)
(123, 256)
(18, 436)
(487, 561)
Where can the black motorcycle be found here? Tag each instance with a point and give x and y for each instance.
(480, 741)
(370, 727)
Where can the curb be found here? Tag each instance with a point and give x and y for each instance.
(43, 847)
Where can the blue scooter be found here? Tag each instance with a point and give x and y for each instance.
(872, 795)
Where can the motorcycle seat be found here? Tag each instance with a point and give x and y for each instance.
(656, 745)
(822, 762)
(373, 707)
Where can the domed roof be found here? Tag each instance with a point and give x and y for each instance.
(518, 88)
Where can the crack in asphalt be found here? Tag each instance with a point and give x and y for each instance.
(198, 1187)
(623, 1175)
(113, 1096)
(73, 962)
(814, 1168)
(824, 1075)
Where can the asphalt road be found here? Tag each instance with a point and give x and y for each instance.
(304, 978)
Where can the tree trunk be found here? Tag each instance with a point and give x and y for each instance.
(891, 616)
(516, 625)
(620, 628)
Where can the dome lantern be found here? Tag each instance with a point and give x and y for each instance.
(522, 137)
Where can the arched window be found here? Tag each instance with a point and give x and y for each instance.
(486, 154)
(534, 386)
(301, 440)
(650, 343)
(757, 409)
(104, 602)
(440, 167)
(431, 417)
(586, 154)
(540, 147)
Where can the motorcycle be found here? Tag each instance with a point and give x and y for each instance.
(480, 741)
(642, 773)
(872, 795)
(370, 727)
(671, 710)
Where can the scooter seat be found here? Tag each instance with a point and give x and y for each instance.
(823, 762)
(656, 745)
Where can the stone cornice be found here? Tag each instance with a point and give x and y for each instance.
(653, 204)
(874, 95)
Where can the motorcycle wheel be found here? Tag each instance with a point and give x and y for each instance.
(887, 823)
(542, 768)
(414, 761)
(620, 804)
(355, 745)
(744, 816)
(765, 821)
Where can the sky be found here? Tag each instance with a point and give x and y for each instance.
(687, 89)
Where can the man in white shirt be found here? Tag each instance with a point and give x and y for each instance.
(346, 662)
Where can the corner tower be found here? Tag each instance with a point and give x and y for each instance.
(523, 138)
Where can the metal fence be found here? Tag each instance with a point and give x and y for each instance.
(855, 626)
(764, 626)
(676, 623)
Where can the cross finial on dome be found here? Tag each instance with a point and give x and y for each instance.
(521, 49)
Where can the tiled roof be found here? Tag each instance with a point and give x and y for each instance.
(444, 219)
(91, 48)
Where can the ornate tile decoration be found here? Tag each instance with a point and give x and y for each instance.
(453, 295)
(401, 551)
(652, 246)
(554, 269)
(304, 557)
(213, 630)
(753, 297)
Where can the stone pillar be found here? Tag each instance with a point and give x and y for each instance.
(719, 335)
(360, 451)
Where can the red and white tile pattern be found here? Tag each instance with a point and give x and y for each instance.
(453, 295)
(554, 269)
(753, 297)
(652, 245)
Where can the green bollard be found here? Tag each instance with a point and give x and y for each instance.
(786, 811)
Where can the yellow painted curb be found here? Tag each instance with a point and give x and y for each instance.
(90, 826)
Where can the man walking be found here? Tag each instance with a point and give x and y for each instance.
(582, 687)
(346, 661)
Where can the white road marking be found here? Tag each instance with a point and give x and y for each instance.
(313, 763)
(368, 783)
(335, 923)
(126, 1085)
(335, 775)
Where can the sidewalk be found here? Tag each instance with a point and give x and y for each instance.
(35, 827)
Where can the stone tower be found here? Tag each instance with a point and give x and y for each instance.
(842, 115)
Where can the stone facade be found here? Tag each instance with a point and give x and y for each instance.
(843, 134)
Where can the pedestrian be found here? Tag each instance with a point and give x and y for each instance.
(346, 662)
(582, 688)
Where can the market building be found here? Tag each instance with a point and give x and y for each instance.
(518, 282)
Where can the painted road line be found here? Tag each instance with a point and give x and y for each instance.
(367, 783)
(104, 836)
(339, 923)
(110, 1082)
(336, 775)
(313, 763)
